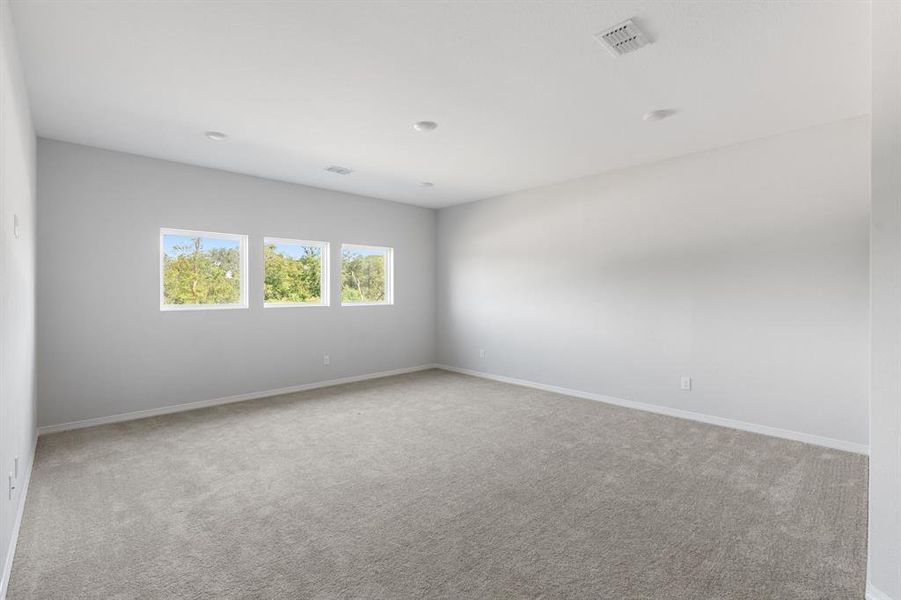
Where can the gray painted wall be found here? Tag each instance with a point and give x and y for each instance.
(17, 281)
(744, 268)
(885, 400)
(105, 348)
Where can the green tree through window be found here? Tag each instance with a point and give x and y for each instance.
(293, 272)
(364, 275)
(199, 270)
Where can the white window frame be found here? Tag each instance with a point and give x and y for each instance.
(389, 274)
(324, 283)
(242, 282)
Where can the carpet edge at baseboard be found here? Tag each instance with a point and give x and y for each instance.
(786, 434)
(874, 593)
(797, 436)
(176, 408)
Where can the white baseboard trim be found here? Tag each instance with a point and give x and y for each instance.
(165, 410)
(875, 594)
(674, 412)
(663, 410)
(14, 538)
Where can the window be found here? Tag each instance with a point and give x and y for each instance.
(202, 270)
(295, 273)
(367, 275)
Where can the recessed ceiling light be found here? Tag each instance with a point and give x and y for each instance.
(426, 184)
(216, 136)
(658, 115)
(339, 170)
(425, 125)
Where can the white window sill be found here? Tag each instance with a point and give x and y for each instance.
(185, 307)
(294, 305)
(367, 304)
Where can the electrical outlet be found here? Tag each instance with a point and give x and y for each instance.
(326, 360)
(686, 383)
(482, 353)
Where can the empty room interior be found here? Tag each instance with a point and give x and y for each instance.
(450, 299)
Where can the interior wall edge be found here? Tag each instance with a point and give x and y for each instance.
(17, 300)
(875, 594)
(11, 552)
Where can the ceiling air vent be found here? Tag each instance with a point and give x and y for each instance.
(339, 170)
(623, 38)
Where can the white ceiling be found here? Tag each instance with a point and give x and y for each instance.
(523, 93)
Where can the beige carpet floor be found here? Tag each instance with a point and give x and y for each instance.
(437, 485)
